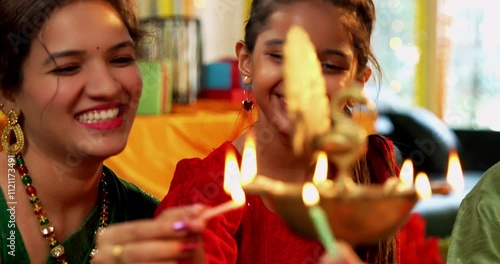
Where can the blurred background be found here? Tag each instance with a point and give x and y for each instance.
(433, 53)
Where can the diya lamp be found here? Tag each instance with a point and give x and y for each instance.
(357, 214)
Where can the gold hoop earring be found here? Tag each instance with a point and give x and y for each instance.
(12, 126)
(3, 121)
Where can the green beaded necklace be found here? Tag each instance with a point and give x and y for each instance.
(46, 228)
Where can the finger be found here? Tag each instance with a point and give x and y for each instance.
(183, 212)
(189, 214)
(141, 230)
(148, 252)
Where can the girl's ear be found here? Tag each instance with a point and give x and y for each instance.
(244, 62)
(361, 80)
(366, 75)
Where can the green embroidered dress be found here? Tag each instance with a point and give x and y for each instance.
(476, 233)
(127, 202)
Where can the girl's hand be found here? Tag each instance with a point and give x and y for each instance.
(174, 234)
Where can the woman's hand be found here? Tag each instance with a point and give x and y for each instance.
(174, 234)
(345, 255)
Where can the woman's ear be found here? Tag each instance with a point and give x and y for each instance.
(8, 100)
(244, 62)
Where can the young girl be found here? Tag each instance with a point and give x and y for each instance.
(340, 31)
(70, 87)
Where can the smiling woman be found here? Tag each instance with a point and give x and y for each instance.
(70, 93)
(70, 86)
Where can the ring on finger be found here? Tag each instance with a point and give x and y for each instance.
(117, 254)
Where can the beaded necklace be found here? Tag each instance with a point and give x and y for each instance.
(46, 228)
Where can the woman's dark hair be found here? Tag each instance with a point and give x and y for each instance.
(359, 20)
(22, 20)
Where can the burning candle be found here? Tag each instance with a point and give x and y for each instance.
(423, 186)
(231, 186)
(455, 176)
(319, 218)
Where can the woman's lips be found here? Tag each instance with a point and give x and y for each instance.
(102, 119)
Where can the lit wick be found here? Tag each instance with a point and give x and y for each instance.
(423, 186)
(321, 170)
(455, 175)
(406, 174)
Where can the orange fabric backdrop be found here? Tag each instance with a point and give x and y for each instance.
(157, 143)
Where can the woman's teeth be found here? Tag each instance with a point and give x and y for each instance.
(98, 116)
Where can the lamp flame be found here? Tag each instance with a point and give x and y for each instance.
(249, 162)
(406, 174)
(321, 170)
(455, 175)
(232, 179)
(310, 194)
(237, 194)
(423, 186)
(231, 171)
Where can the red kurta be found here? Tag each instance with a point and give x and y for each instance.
(252, 234)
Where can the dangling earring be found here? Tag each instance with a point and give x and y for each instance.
(3, 121)
(12, 126)
(247, 103)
